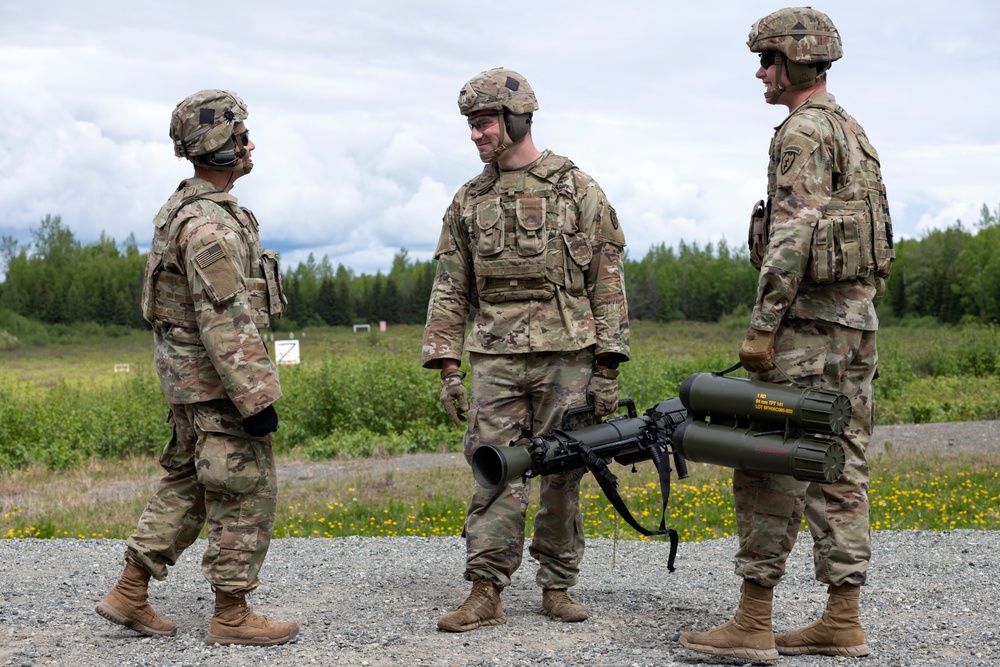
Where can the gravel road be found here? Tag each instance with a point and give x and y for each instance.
(931, 600)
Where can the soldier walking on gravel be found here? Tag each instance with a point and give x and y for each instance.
(823, 244)
(533, 245)
(209, 289)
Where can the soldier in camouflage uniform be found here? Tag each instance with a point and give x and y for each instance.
(209, 288)
(823, 244)
(533, 245)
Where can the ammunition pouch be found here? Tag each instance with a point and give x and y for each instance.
(760, 219)
(884, 253)
(850, 241)
(532, 235)
(511, 280)
(258, 290)
(577, 257)
(276, 300)
(510, 264)
(842, 243)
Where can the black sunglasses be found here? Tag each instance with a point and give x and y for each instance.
(767, 58)
(243, 136)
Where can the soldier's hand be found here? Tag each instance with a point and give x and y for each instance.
(262, 423)
(453, 394)
(602, 392)
(757, 351)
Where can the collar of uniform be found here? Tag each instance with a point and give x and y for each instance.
(485, 180)
(198, 186)
(822, 100)
(548, 166)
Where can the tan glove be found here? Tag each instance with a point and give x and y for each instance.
(453, 394)
(602, 392)
(757, 351)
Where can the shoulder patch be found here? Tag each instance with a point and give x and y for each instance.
(218, 271)
(788, 155)
(795, 152)
(609, 229)
(446, 242)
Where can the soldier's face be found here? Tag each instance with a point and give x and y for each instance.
(485, 132)
(243, 139)
(241, 135)
(769, 77)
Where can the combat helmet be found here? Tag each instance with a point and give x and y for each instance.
(506, 92)
(202, 129)
(804, 40)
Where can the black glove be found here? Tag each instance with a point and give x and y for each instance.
(262, 423)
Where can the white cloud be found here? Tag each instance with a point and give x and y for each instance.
(360, 145)
(947, 215)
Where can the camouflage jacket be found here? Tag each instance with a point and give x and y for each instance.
(539, 253)
(808, 155)
(206, 254)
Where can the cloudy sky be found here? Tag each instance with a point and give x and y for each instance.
(360, 146)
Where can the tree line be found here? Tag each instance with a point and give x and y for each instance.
(950, 275)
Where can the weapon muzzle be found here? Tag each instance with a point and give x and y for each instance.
(493, 466)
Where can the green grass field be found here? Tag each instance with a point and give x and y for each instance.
(78, 440)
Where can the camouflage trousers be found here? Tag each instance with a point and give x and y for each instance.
(531, 391)
(770, 508)
(216, 474)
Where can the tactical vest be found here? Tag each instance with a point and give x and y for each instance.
(853, 239)
(524, 237)
(166, 295)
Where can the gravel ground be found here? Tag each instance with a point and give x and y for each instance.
(931, 599)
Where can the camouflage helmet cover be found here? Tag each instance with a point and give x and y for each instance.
(803, 34)
(204, 122)
(497, 89)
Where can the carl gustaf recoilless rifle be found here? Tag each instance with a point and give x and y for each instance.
(727, 421)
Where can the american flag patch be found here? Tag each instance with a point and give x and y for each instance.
(209, 256)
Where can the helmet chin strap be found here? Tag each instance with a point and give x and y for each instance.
(805, 75)
(242, 163)
(495, 154)
(777, 89)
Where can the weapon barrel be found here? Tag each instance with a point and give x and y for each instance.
(806, 459)
(739, 399)
(550, 453)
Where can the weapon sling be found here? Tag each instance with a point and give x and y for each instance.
(609, 485)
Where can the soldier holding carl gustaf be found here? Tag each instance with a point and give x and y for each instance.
(534, 246)
(823, 244)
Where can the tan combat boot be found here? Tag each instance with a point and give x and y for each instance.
(838, 632)
(234, 623)
(748, 635)
(482, 607)
(126, 604)
(559, 606)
